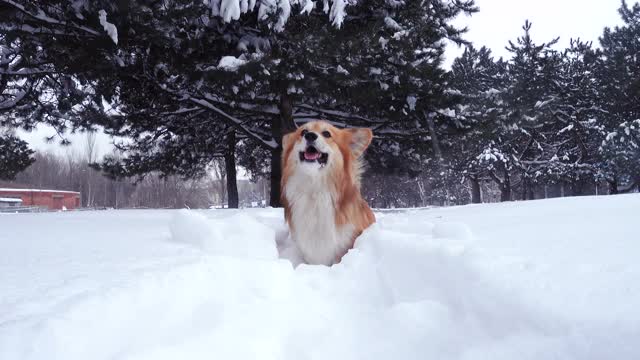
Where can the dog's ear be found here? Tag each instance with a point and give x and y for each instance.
(360, 140)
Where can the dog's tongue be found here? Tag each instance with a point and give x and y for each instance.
(311, 155)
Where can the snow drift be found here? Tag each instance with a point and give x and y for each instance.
(534, 280)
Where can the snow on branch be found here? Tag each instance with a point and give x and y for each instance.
(232, 120)
(111, 29)
(40, 15)
(25, 72)
(269, 110)
(26, 28)
(337, 113)
(230, 10)
(231, 63)
(409, 133)
(12, 101)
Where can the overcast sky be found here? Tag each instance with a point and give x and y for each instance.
(497, 22)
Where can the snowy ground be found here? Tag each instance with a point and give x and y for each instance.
(552, 279)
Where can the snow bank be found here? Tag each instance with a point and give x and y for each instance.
(237, 236)
(452, 231)
(473, 282)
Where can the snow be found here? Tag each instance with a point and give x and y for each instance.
(79, 6)
(448, 230)
(111, 29)
(342, 70)
(39, 14)
(411, 101)
(528, 280)
(239, 235)
(337, 12)
(230, 63)
(392, 24)
(280, 9)
(540, 104)
(566, 128)
(383, 42)
(307, 6)
(248, 130)
(270, 7)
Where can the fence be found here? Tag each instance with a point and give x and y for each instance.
(23, 209)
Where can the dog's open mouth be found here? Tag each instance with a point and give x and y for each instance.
(311, 154)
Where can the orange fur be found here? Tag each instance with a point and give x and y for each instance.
(340, 181)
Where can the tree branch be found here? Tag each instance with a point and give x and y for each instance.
(43, 17)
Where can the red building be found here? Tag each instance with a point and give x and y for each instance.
(51, 199)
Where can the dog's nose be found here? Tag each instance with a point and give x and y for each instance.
(311, 136)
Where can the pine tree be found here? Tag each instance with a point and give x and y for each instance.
(479, 82)
(15, 156)
(183, 77)
(619, 80)
(517, 153)
(382, 70)
(397, 77)
(42, 82)
(575, 136)
(275, 80)
(89, 46)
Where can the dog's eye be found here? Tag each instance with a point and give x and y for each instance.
(303, 132)
(326, 134)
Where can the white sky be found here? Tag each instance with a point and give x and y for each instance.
(497, 22)
(36, 139)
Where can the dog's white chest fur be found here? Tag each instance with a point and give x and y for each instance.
(314, 230)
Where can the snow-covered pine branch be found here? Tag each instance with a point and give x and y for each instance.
(40, 15)
(276, 12)
(269, 143)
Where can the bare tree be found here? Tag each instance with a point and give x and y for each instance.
(218, 181)
(90, 152)
(71, 171)
(90, 147)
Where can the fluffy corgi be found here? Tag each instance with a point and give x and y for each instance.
(320, 183)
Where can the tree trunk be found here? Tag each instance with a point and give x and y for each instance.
(230, 169)
(613, 186)
(505, 190)
(505, 193)
(437, 151)
(276, 174)
(476, 194)
(280, 126)
(435, 142)
(577, 188)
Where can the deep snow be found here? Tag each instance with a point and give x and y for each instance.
(549, 279)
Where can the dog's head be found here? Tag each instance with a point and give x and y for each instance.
(319, 148)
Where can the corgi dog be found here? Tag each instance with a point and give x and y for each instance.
(320, 189)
